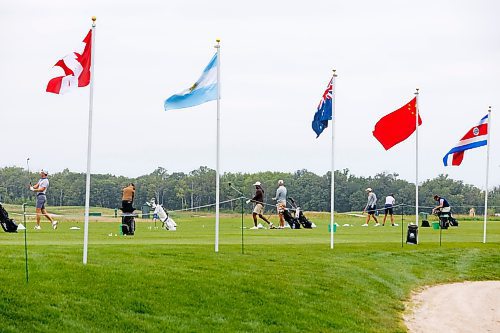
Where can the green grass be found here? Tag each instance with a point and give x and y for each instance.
(286, 280)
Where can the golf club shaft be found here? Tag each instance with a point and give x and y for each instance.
(28, 164)
(234, 188)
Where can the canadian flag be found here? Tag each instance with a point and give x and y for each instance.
(76, 66)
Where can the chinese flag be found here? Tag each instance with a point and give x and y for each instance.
(397, 126)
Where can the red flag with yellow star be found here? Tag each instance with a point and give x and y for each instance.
(397, 126)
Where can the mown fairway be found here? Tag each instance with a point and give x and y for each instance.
(286, 280)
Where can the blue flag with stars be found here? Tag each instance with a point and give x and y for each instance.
(324, 111)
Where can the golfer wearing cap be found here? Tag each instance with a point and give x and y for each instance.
(371, 207)
(281, 202)
(258, 210)
(40, 189)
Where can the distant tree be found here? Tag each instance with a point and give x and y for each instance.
(197, 188)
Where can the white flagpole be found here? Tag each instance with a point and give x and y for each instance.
(487, 174)
(416, 158)
(332, 187)
(217, 180)
(89, 147)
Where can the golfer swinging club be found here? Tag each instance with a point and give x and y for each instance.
(40, 189)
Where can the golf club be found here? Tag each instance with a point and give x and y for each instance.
(234, 188)
(28, 164)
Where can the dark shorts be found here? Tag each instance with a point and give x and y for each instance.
(388, 209)
(127, 206)
(40, 201)
(371, 209)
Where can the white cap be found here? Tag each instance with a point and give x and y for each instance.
(256, 184)
(369, 189)
(44, 172)
(280, 182)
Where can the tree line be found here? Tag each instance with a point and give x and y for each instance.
(179, 190)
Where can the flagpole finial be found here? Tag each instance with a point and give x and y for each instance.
(218, 45)
(416, 93)
(93, 20)
(334, 72)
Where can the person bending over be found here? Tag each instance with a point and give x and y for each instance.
(442, 207)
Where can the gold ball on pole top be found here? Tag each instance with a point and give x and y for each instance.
(94, 18)
(334, 72)
(218, 40)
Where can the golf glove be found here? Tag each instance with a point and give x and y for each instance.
(32, 188)
(248, 201)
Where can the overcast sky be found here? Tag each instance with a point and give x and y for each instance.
(276, 59)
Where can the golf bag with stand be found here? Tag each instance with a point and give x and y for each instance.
(166, 220)
(446, 220)
(290, 219)
(128, 221)
(299, 215)
(8, 225)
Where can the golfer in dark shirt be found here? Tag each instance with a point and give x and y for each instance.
(258, 210)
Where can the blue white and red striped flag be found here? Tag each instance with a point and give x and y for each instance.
(474, 138)
(324, 111)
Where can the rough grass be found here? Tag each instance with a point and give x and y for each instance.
(285, 281)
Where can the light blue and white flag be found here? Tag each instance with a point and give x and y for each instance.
(204, 90)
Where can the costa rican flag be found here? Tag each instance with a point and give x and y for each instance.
(475, 137)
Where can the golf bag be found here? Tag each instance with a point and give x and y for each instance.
(128, 225)
(290, 219)
(128, 220)
(446, 220)
(299, 215)
(412, 234)
(8, 225)
(167, 221)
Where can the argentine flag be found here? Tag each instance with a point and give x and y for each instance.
(204, 90)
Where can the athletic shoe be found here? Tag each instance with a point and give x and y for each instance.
(54, 225)
(260, 226)
(395, 225)
(37, 227)
(271, 226)
(365, 225)
(254, 228)
(376, 224)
